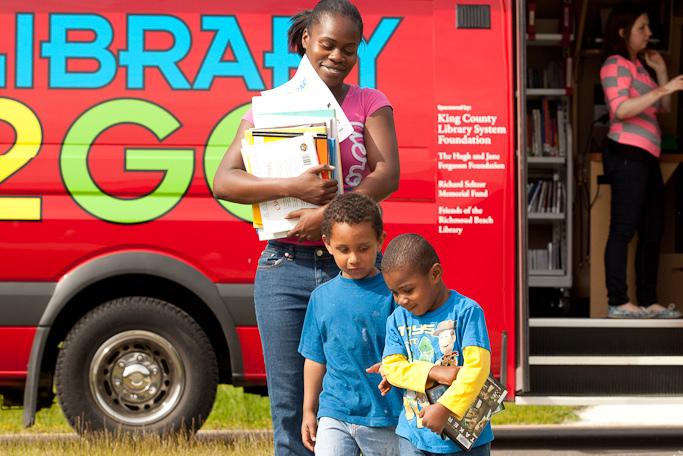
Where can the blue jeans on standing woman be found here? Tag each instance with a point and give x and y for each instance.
(286, 276)
(637, 205)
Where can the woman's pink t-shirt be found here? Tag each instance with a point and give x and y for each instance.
(358, 105)
(623, 79)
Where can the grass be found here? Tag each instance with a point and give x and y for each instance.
(535, 414)
(233, 410)
(101, 444)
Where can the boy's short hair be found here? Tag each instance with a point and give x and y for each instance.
(409, 251)
(352, 208)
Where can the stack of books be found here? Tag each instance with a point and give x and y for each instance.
(297, 126)
(289, 151)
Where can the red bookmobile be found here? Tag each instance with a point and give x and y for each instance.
(127, 288)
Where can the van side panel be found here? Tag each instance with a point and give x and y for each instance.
(16, 348)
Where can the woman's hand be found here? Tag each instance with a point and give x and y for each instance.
(674, 85)
(308, 228)
(308, 186)
(655, 60)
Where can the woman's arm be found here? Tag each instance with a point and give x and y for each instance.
(233, 183)
(381, 147)
(634, 106)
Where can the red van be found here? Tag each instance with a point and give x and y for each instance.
(123, 282)
(127, 288)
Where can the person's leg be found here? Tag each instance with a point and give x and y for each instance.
(285, 278)
(481, 450)
(650, 232)
(334, 438)
(377, 441)
(406, 448)
(628, 180)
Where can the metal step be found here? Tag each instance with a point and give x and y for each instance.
(605, 337)
(605, 358)
(606, 380)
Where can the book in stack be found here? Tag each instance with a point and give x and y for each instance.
(297, 126)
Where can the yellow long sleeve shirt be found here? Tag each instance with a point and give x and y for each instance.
(462, 392)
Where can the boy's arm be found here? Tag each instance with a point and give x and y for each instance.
(406, 375)
(472, 376)
(462, 392)
(313, 386)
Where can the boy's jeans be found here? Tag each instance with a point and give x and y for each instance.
(406, 448)
(338, 438)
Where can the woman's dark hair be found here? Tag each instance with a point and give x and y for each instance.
(623, 16)
(305, 19)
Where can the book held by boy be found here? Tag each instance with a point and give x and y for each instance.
(465, 432)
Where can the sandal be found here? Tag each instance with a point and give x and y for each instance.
(616, 312)
(669, 312)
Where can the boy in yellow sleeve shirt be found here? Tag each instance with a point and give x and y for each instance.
(436, 335)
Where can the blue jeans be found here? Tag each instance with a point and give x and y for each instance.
(637, 205)
(285, 277)
(406, 448)
(339, 438)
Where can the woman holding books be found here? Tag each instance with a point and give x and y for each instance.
(289, 269)
(637, 87)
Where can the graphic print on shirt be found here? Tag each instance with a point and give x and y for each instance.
(355, 173)
(426, 350)
(445, 331)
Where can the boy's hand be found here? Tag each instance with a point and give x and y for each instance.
(434, 417)
(445, 375)
(384, 386)
(309, 426)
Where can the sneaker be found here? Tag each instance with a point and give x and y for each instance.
(669, 312)
(616, 312)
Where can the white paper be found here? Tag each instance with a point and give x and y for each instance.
(312, 93)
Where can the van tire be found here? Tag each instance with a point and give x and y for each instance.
(136, 364)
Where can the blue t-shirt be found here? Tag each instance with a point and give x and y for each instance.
(435, 337)
(345, 330)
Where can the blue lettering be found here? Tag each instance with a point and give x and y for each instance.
(58, 50)
(136, 58)
(370, 50)
(281, 60)
(228, 33)
(3, 68)
(24, 67)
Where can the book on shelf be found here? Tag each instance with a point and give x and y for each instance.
(547, 132)
(465, 431)
(546, 196)
(551, 258)
(531, 20)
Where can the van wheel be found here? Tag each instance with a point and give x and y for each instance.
(135, 364)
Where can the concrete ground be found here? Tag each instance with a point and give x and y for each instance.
(632, 415)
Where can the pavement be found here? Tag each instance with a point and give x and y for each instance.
(608, 421)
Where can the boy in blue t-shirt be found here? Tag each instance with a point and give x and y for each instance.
(436, 335)
(343, 334)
